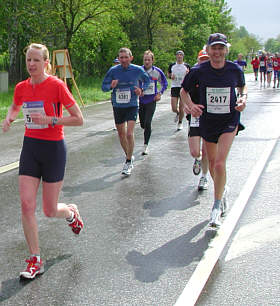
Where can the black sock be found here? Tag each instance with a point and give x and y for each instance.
(128, 161)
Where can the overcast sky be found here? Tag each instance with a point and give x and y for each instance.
(259, 17)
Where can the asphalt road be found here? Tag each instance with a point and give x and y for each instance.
(144, 235)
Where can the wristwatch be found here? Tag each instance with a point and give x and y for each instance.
(54, 121)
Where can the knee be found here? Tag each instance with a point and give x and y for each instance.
(50, 212)
(28, 206)
(130, 136)
(194, 153)
(219, 167)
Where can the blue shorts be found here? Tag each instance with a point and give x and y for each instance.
(124, 114)
(276, 74)
(44, 159)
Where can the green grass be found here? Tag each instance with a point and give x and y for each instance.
(90, 90)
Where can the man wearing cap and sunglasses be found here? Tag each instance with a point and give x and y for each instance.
(219, 112)
(177, 72)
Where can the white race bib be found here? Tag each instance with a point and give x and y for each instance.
(194, 121)
(218, 100)
(151, 89)
(123, 95)
(262, 63)
(29, 108)
(179, 77)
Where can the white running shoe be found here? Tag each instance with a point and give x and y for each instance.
(215, 218)
(224, 205)
(203, 184)
(127, 167)
(176, 119)
(145, 150)
(180, 126)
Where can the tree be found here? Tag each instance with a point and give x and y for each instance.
(272, 45)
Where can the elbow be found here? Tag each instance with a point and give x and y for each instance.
(80, 120)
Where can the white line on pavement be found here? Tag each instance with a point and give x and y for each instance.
(9, 167)
(204, 268)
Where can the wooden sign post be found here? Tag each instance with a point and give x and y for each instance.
(61, 65)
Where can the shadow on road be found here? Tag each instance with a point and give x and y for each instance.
(179, 252)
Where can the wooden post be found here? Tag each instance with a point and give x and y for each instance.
(61, 63)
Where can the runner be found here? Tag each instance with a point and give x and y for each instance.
(256, 64)
(177, 72)
(269, 70)
(240, 62)
(148, 101)
(43, 153)
(219, 112)
(276, 69)
(262, 60)
(194, 137)
(124, 80)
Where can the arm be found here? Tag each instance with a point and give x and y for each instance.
(11, 116)
(188, 105)
(106, 84)
(163, 81)
(75, 118)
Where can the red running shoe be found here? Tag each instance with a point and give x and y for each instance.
(33, 268)
(77, 223)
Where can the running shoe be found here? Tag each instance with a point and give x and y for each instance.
(33, 268)
(203, 184)
(77, 223)
(196, 167)
(215, 218)
(145, 150)
(127, 168)
(176, 119)
(179, 126)
(224, 205)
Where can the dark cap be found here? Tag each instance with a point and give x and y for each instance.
(217, 38)
(180, 52)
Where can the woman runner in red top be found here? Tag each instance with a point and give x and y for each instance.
(43, 154)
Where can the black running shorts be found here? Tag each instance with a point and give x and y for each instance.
(44, 159)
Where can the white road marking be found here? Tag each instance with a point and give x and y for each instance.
(204, 268)
(9, 167)
(253, 236)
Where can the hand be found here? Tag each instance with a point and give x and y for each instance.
(241, 104)
(114, 83)
(138, 91)
(38, 118)
(196, 110)
(6, 124)
(157, 97)
(187, 109)
(172, 76)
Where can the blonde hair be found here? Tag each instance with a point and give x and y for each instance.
(149, 52)
(45, 53)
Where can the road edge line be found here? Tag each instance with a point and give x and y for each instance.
(202, 272)
(9, 167)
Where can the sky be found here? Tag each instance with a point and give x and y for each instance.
(259, 17)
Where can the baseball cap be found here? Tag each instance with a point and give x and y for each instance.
(217, 38)
(202, 53)
(180, 52)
